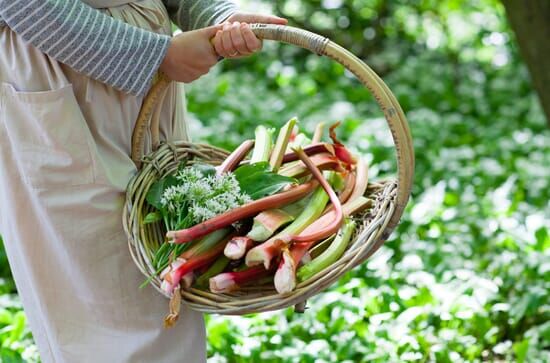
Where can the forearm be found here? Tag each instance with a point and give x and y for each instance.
(92, 43)
(196, 14)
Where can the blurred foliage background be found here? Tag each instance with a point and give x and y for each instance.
(466, 276)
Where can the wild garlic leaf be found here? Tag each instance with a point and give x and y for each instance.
(258, 181)
(154, 195)
(152, 217)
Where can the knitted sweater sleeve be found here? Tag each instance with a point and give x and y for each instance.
(196, 14)
(97, 45)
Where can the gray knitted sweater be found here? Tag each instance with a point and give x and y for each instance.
(106, 49)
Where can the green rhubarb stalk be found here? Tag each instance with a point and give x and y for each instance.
(262, 145)
(268, 222)
(266, 251)
(318, 135)
(281, 144)
(205, 243)
(216, 268)
(331, 254)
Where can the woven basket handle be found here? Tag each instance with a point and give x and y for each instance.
(322, 46)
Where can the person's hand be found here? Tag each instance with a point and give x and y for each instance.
(190, 54)
(236, 39)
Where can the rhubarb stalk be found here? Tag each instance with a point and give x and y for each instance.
(262, 145)
(237, 247)
(265, 252)
(362, 180)
(172, 279)
(310, 150)
(282, 142)
(342, 153)
(285, 276)
(349, 185)
(231, 281)
(268, 222)
(318, 135)
(351, 207)
(245, 211)
(339, 213)
(298, 169)
(330, 255)
(235, 157)
(345, 194)
(216, 268)
(205, 243)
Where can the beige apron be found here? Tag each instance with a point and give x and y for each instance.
(64, 166)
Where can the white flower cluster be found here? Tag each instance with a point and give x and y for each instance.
(201, 197)
(173, 197)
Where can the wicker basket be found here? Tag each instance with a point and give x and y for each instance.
(389, 197)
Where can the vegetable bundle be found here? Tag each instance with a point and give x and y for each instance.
(280, 217)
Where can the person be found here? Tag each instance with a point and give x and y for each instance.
(73, 77)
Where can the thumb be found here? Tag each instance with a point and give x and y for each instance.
(210, 32)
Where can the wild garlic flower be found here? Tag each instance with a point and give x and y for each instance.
(200, 197)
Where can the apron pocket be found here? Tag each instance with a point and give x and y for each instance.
(49, 137)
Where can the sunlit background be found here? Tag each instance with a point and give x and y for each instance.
(466, 276)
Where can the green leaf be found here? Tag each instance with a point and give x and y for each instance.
(258, 181)
(157, 189)
(18, 326)
(10, 356)
(152, 217)
(521, 348)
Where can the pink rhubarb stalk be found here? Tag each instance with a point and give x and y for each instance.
(339, 213)
(265, 252)
(237, 247)
(322, 161)
(313, 149)
(235, 158)
(362, 180)
(173, 278)
(245, 211)
(351, 207)
(349, 186)
(231, 281)
(285, 276)
(267, 222)
(341, 152)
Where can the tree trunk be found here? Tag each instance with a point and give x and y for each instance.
(530, 20)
